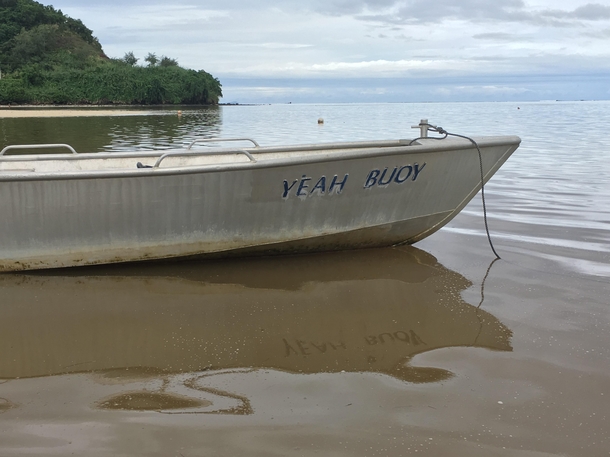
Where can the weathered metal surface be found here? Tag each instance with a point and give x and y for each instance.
(89, 209)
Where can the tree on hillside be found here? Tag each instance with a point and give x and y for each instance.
(47, 57)
(43, 41)
(16, 15)
(32, 33)
(130, 59)
(168, 62)
(152, 59)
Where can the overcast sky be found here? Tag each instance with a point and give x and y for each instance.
(369, 50)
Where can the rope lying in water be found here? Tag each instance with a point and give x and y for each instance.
(442, 131)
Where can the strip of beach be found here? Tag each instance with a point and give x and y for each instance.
(14, 112)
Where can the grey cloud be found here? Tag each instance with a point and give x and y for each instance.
(494, 36)
(592, 12)
(588, 12)
(332, 7)
(499, 36)
(421, 12)
(408, 10)
(336, 7)
(602, 34)
(59, 4)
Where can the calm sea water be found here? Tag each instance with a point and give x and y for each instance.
(431, 349)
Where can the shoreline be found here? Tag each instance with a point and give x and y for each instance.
(21, 112)
(32, 111)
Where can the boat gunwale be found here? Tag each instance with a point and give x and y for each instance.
(336, 151)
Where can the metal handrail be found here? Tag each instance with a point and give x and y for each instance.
(38, 146)
(217, 140)
(195, 153)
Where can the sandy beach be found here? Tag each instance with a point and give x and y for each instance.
(6, 112)
(431, 350)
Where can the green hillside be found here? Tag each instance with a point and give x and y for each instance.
(47, 57)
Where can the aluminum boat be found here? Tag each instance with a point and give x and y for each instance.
(73, 209)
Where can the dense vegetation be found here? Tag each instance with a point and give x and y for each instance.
(49, 58)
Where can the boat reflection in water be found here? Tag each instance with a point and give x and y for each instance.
(159, 332)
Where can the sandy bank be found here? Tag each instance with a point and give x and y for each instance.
(6, 112)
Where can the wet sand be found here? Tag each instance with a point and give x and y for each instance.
(429, 350)
(379, 352)
(6, 112)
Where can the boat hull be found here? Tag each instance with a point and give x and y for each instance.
(304, 202)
